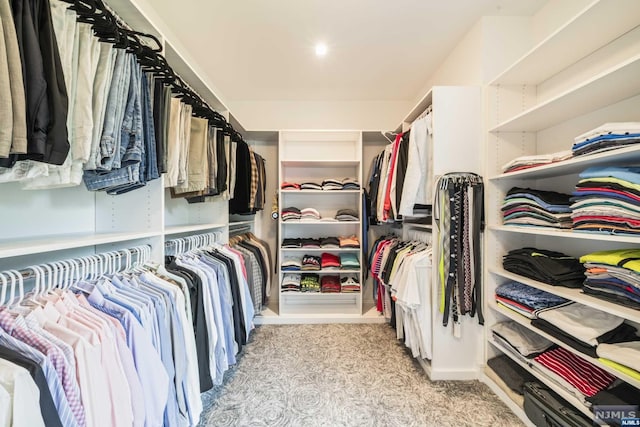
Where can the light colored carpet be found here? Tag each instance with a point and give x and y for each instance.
(343, 375)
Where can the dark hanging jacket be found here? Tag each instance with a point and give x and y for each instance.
(46, 93)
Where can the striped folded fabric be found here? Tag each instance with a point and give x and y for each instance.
(586, 377)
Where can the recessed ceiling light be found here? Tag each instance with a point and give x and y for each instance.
(321, 49)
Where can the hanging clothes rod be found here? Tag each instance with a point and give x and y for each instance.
(65, 273)
(189, 243)
(241, 229)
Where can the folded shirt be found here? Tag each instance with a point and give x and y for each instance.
(347, 215)
(525, 341)
(291, 264)
(310, 262)
(586, 377)
(311, 243)
(291, 282)
(513, 375)
(349, 242)
(617, 395)
(289, 186)
(528, 296)
(349, 284)
(524, 162)
(310, 282)
(329, 261)
(330, 284)
(329, 243)
(624, 353)
(310, 186)
(554, 268)
(580, 321)
(349, 261)
(291, 243)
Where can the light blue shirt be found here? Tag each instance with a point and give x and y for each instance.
(151, 372)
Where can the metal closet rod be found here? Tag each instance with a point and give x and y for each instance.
(103, 262)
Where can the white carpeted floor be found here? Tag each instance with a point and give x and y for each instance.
(343, 375)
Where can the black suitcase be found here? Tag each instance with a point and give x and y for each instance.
(546, 409)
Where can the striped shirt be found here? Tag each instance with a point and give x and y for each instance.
(586, 377)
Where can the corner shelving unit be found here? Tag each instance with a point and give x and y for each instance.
(315, 156)
(574, 80)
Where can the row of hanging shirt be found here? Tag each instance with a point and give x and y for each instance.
(401, 176)
(402, 273)
(124, 349)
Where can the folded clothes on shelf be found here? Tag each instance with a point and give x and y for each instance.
(310, 263)
(347, 215)
(330, 261)
(310, 282)
(310, 243)
(329, 243)
(608, 136)
(350, 184)
(607, 200)
(332, 184)
(614, 276)
(349, 261)
(309, 214)
(289, 186)
(349, 242)
(527, 297)
(554, 268)
(527, 162)
(290, 213)
(291, 243)
(349, 284)
(330, 284)
(522, 339)
(623, 353)
(583, 327)
(512, 374)
(291, 283)
(291, 264)
(309, 185)
(525, 206)
(585, 376)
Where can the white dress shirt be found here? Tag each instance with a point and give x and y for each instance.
(23, 409)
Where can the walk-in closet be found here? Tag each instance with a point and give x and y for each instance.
(316, 213)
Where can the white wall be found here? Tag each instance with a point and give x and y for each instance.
(361, 115)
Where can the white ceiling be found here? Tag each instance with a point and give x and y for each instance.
(379, 50)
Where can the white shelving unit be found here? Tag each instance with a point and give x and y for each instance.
(454, 357)
(574, 80)
(315, 156)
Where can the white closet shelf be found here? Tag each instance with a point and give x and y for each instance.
(569, 397)
(527, 324)
(613, 85)
(543, 231)
(626, 155)
(177, 229)
(236, 223)
(320, 163)
(12, 248)
(573, 295)
(573, 41)
(320, 250)
(332, 192)
(320, 271)
(337, 295)
(319, 222)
